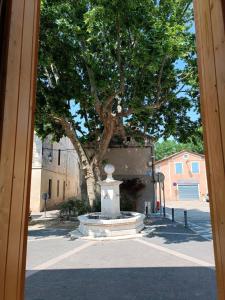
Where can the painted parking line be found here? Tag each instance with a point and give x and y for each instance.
(55, 260)
(191, 259)
(176, 233)
(46, 238)
(204, 232)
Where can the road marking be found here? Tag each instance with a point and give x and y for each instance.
(177, 254)
(175, 233)
(55, 260)
(47, 238)
(206, 233)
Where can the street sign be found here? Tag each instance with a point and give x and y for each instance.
(159, 177)
(149, 173)
(45, 196)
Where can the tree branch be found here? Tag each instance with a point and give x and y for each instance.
(71, 134)
(186, 8)
(131, 111)
(126, 113)
(109, 101)
(121, 90)
(109, 126)
(94, 93)
(119, 58)
(159, 86)
(86, 120)
(185, 76)
(49, 77)
(180, 89)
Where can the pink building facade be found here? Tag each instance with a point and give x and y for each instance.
(185, 176)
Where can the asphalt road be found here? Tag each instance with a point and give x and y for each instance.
(172, 263)
(198, 215)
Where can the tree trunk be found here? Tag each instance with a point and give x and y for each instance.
(90, 166)
(91, 186)
(86, 166)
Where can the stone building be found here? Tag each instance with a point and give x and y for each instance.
(133, 161)
(185, 176)
(55, 170)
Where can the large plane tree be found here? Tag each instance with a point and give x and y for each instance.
(109, 68)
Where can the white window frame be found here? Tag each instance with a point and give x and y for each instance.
(198, 167)
(186, 156)
(158, 168)
(178, 162)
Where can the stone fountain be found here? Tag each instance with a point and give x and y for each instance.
(110, 222)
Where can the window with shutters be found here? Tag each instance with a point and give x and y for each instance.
(195, 167)
(178, 168)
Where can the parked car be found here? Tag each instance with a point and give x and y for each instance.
(207, 197)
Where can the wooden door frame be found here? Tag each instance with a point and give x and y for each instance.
(16, 125)
(210, 34)
(19, 61)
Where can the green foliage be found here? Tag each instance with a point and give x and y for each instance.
(77, 207)
(74, 207)
(169, 147)
(98, 48)
(81, 207)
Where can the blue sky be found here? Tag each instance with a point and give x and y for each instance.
(180, 64)
(193, 114)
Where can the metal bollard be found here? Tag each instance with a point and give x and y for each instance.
(172, 214)
(185, 219)
(164, 212)
(146, 210)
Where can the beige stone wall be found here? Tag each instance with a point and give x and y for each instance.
(129, 161)
(71, 184)
(64, 172)
(35, 193)
(133, 162)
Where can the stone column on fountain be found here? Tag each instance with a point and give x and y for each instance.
(110, 194)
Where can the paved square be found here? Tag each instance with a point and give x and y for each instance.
(172, 263)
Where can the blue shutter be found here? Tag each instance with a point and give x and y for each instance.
(195, 167)
(179, 168)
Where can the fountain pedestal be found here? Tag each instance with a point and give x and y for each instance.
(110, 222)
(110, 195)
(110, 199)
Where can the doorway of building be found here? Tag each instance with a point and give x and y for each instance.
(188, 192)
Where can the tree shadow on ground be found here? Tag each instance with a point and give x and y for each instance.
(193, 214)
(197, 219)
(48, 232)
(176, 283)
(172, 232)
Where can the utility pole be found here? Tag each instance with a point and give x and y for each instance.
(153, 204)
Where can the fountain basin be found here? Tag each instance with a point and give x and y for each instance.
(97, 226)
